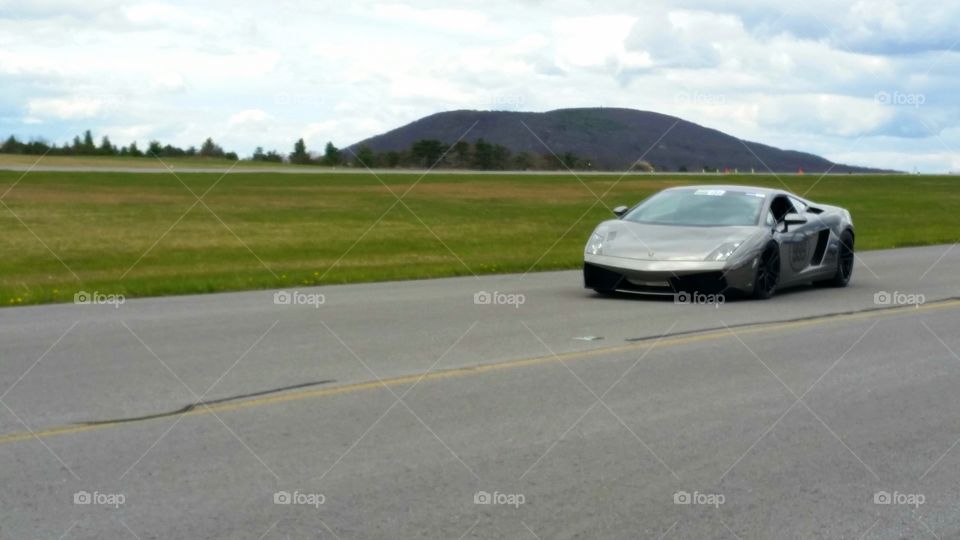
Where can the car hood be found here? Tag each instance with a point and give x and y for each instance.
(668, 242)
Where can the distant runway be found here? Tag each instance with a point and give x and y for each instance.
(391, 410)
(159, 168)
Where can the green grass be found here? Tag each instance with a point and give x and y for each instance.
(283, 230)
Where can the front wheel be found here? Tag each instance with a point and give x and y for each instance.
(768, 272)
(844, 262)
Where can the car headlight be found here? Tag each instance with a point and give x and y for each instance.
(724, 252)
(595, 244)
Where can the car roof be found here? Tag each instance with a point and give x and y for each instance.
(732, 187)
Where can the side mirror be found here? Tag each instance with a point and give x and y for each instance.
(794, 219)
(620, 210)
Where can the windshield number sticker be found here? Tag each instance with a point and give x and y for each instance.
(710, 192)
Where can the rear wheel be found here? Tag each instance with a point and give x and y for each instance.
(768, 272)
(844, 262)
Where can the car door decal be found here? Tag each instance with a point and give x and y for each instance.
(799, 252)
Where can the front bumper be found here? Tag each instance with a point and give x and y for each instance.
(605, 273)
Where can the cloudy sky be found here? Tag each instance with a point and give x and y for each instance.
(872, 82)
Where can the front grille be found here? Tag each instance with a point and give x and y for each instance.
(706, 283)
(601, 279)
(596, 277)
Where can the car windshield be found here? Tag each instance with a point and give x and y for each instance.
(700, 207)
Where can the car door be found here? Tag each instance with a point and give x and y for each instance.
(798, 242)
(794, 240)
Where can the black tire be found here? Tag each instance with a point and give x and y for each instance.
(768, 272)
(845, 260)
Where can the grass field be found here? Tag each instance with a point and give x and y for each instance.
(143, 234)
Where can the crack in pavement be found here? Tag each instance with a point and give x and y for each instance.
(187, 408)
(820, 317)
(673, 339)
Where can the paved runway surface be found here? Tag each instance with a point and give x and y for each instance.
(390, 409)
(162, 168)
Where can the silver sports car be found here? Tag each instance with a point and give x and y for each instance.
(720, 239)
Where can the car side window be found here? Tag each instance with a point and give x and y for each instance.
(799, 205)
(771, 221)
(780, 207)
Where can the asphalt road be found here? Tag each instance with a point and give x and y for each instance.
(386, 410)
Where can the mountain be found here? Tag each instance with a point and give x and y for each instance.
(611, 139)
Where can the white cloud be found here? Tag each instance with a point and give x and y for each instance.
(685, 38)
(255, 119)
(155, 13)
(64, 108)
(317, 134)
(169, 81)
(822, 113)
(20, 64)
(595, 41)
(124, 133)
(444, 19)
(799, 75)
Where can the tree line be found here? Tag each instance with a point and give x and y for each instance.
(428, 153)
(424, 153)
(84, 145)
(479, 155)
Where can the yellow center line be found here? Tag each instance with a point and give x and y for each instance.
(485, 368)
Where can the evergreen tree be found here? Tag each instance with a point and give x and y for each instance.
(210, 149)
(461, 152)
(88, 147)
(331, 155)
(392, 159)
(299, 154)
(427, 152)
(11, 146)
(106, 148)
(365, 157)
(483, 155)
